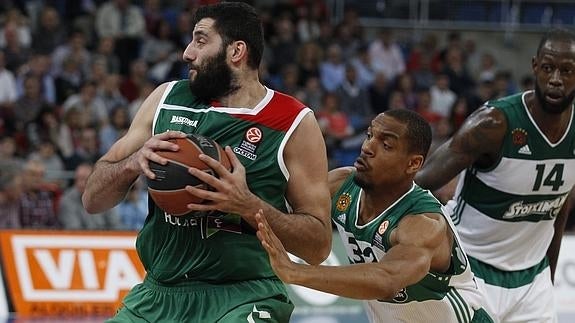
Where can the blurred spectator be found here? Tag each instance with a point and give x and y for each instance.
(354, 100)
(504, 85)
(312, 93)
(17, 24)
(16, 53)
(442, 98)
(405, 85)
(487, 68)
(396, 100)
(8, 91)
(283, 46)
(386, 55)
(9, 151)
(158, 45)
(379, 93)
(309, 57)
(125, 23)
(46, 154)
(460, 81)
(69, 81)
(116, 128)
(91, 107)
(69, 136)
(332, 69)
(145, 90)
(87, 150)
(10, 192)
(424, 107)
(74, 47)
(45, 127)
(38, 66)
(109, 93)
(133, 209)
(459, 112)
(29, 105)
(105, 52)
(289, 80)
(363, 67)
(49, 33)
(484, 92)
(39, 200)
(334, 124)
(130, 86)
(423, 76)
(183, 32)
(307, 21)
(72, 214)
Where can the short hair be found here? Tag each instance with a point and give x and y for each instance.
(236, 21)
(418, 130)
(556, 34)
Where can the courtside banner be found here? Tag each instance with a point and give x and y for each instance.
(52, 273)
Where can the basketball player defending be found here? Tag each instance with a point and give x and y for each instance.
(406, 260)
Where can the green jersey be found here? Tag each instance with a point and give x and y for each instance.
(505, 214)
(451, 296)
(218, 247)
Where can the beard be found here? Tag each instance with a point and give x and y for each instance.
(214, 78)
(558, 108)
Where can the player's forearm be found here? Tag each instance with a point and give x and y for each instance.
(359, 281)
(108, 184)
(302, 235)
(555, 246)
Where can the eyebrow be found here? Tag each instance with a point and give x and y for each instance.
(198, 33)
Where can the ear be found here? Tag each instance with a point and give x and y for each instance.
(238, 50)
(533, 63)
(414, 164)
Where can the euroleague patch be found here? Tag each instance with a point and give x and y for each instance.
(519, 136)
(250, 143)
(343, 202)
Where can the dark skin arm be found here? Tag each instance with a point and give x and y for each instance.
(416, 241)
(478, 142)
(559, 227)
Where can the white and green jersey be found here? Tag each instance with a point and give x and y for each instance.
(505, 214)
(451, 296)
(219, 247)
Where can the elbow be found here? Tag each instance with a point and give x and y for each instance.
(89, 204)
(321, 251)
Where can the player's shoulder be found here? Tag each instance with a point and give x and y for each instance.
(337, 176)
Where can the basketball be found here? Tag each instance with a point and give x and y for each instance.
(167, 189)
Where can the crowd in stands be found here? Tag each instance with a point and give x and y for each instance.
(74, 73)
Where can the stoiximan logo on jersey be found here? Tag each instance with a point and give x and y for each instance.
(548, 207)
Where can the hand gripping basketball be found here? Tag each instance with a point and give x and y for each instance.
(167, 188)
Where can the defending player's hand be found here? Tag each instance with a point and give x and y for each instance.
(229, 191)
(279, 259)
(156, 143)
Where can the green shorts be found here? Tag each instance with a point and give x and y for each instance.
(264, 300)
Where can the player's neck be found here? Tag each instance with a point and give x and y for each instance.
(249, 94)
(552, 125)
(374, 202)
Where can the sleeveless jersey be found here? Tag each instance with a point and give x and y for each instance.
(505, 214)
(220, 247)
(439, 297)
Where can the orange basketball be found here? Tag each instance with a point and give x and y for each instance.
(168, 188)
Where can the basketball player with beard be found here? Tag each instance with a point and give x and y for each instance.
(516, 163)
(208, 265)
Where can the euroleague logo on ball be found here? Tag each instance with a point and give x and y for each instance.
(254, 135)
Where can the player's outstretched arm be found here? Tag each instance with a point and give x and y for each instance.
(306, 231)
(416, 240)
(115, 172)
(478, 141)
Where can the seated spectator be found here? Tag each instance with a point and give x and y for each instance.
(10, 191)
(116, 128)
(133, 209)
(46, 153)
(90, 107)
(39, 199)
(87, 150)
(72, 214)
(354, 100)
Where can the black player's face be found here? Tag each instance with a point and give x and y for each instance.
(210, 75)
(554, 70)
(384, 158)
